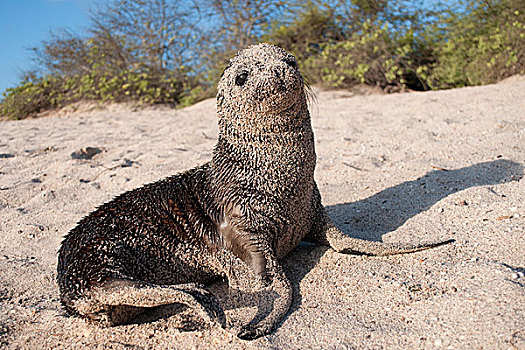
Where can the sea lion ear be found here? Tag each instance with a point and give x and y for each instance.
(220, 98)
(228, 66)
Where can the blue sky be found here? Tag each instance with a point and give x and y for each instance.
(25, 23)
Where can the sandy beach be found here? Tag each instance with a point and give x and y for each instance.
(409, 167)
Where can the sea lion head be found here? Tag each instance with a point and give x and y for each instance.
(261, 89)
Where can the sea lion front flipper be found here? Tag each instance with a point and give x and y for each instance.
(325, 232)
(254, 269)
(119, 301)
(273, 303)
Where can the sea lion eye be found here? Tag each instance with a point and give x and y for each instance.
(291, 63)
(241, 78)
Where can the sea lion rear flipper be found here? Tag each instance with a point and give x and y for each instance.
(325, 232)
(342, 243)
(119, 301)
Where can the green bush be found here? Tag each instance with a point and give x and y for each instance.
(30, 98)
(480, 45)
(346, 44)
(371, 56)
(33, 97)
(397, 45)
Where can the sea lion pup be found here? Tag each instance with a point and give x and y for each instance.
(234, 216)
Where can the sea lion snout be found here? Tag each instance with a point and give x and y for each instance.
(278, 81)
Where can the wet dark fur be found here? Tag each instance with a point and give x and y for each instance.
(141, 235)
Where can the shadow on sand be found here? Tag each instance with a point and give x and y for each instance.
(394, 206)
(389, 209)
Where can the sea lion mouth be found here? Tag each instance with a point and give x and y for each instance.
(280, 103)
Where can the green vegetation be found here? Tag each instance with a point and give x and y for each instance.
(157, 52)
(41, 94)
(478, 43)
